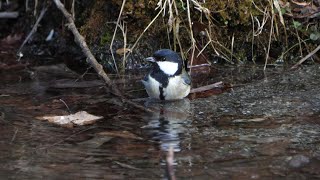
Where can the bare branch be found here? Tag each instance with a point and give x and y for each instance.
(85, 49)
(91, 59)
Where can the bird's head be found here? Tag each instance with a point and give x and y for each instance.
(167, 61)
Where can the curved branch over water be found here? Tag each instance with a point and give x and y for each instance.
(91, 59)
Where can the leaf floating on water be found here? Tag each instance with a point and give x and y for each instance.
(80, 118)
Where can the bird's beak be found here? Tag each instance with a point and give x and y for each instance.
(150, 59)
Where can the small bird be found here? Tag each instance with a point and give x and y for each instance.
(168, 79)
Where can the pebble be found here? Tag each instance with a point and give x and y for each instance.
(298, 161)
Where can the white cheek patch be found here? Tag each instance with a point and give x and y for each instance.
(169, 68)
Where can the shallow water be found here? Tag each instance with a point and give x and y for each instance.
(266, 127)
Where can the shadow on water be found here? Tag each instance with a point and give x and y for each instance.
(263, 128)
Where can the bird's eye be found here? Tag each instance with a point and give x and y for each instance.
(163, 59)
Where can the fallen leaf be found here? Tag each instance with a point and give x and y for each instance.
(80, 118)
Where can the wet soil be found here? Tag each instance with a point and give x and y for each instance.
(265, 127)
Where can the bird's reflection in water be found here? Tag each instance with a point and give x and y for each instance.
(168, 121)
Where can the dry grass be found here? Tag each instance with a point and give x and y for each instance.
(267, 25)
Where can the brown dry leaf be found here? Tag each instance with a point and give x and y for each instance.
(122, 134)
(122, 51)
(80, 118)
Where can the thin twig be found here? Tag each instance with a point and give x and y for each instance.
(232, 44)
(299, 40)
(65, 104)
(114, 35)
(306, 57)
(14, 136)
(35, 7)
(204, 47)
(34, 29)
(252, 40)
(269, 45)
(193, 41)
(72, 9)
(207, 87)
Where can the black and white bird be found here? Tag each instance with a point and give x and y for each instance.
(168, 79)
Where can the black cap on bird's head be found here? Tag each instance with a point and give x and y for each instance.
(167, 55)
(167, 61)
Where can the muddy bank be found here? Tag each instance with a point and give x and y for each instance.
(291, 93)
(264, 129)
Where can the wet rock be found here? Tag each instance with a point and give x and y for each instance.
(298, 161)
(291, 94)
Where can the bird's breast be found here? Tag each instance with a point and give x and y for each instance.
(152, 87)
(176, 88)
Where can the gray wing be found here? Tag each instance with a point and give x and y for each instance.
(186, 78)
